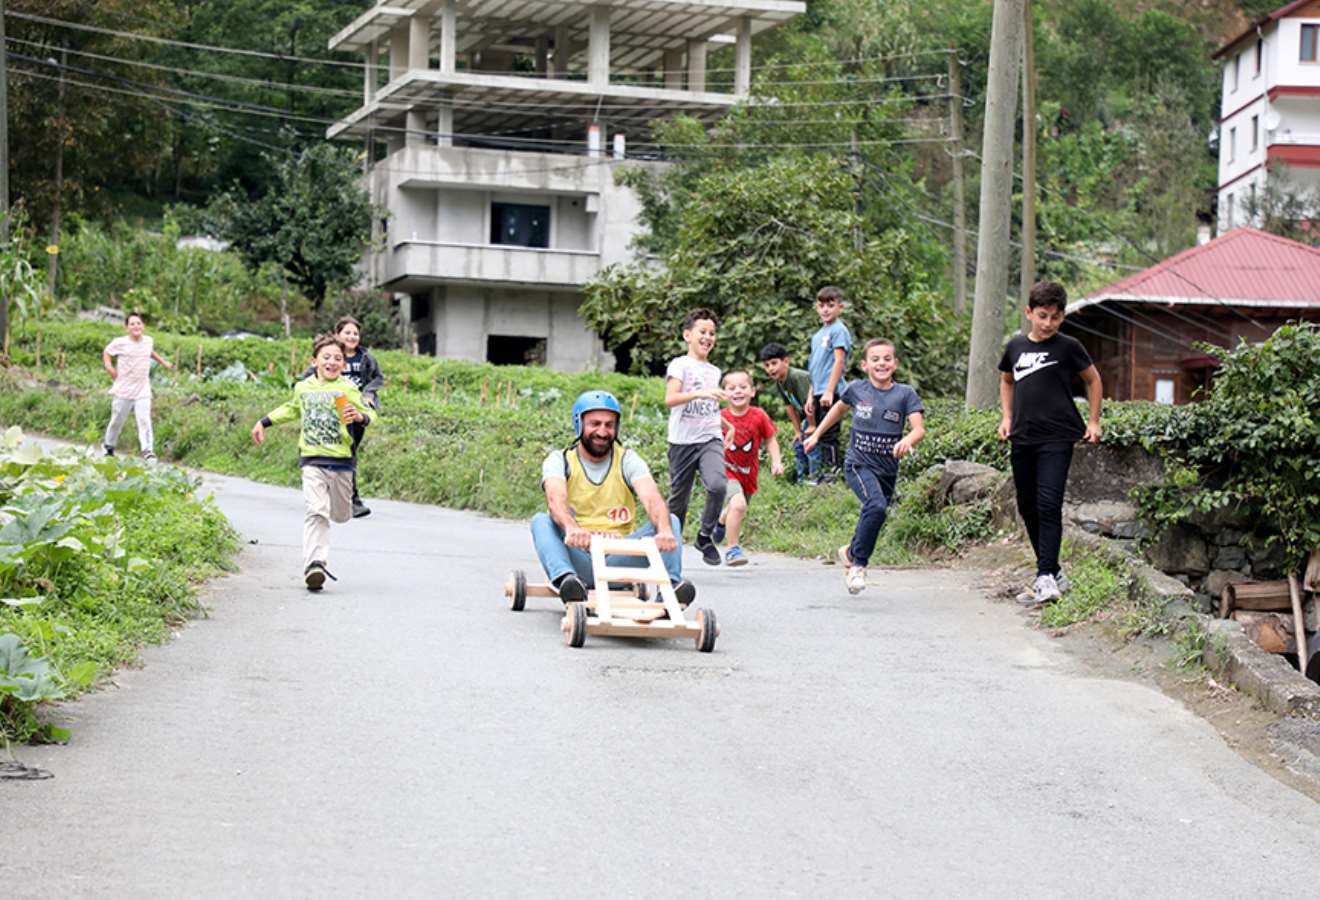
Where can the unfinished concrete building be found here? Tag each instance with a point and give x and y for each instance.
(496, 128)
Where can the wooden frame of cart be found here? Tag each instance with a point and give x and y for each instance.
(626, 612)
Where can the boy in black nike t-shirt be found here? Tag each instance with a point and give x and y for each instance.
(1042, 422)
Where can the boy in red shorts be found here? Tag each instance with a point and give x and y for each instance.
(742, 462)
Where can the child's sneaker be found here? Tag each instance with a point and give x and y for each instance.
(360, 509)
(718, 534)
(1045, 590)
(735, 557)
(685, 591)
(149, 456)
(315, 574)
(109, 451)
(710, 554)
(855, 579)
(1063, 583)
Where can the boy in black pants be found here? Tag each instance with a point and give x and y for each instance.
(1042, 422)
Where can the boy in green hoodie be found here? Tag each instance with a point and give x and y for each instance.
(325, 405)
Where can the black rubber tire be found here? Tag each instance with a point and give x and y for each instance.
(518, 601)
(709, 630)
(576, 633)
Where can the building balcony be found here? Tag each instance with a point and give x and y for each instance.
(412, 265)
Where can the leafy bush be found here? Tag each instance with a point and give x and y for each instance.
(178, 289)
(96, 556)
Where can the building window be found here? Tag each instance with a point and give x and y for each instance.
(1237, 68)
(1255, 132)
(515, 350)
(1251, 202)
(1229, 219)
(1260, 53)
(1164, 390)
(520, 225)
(1232, 144)
(1309, 35)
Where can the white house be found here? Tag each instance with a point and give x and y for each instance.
(502, 125)
(1270, 113)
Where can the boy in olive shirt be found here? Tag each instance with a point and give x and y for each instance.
(794, 386)
(1041, 421)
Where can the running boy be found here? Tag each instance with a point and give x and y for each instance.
(696, 431)
(361, 368)
(830, 347)
(742, 461)
(794, 386)
(325, 405)
(880, 407)
(131, 391)
(1039, 417)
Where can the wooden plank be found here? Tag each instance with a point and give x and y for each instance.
(1311, 580)
(662, 630)
(1262, 595)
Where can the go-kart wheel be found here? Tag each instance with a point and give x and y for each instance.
(575, 624)
(518, 596)
(709, 630)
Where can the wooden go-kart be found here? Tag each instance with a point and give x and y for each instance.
(623, 612)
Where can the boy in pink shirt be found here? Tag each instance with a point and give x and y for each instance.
(131, 391)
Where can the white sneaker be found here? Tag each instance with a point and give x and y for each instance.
(1062, 581)
(1046, 589)
(855, 579)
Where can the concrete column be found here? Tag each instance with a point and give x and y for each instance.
(398, 51)
(598, 66)
(369, 73)
(419, 42)
(696, 54)
(563, 53)
(673, 63)
(448, 36)
(542, 55)
(742, 76)
(444, 131)
(416, 124)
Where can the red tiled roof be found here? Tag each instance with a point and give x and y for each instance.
(1282, 12)
(1244, 267)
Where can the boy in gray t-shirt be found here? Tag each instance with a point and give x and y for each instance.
(697, 434)
(881, 407)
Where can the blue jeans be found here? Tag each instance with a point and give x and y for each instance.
(557, 558)
(808, 464)
(875, 488)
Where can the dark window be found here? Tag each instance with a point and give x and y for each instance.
(1255, 132)
(1237, 68)
(1309, 34)
(1260, 50)
(520, 225)
(420, 307)
(426, 344)
(514, 350)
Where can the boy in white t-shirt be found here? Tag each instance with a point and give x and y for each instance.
(131, 391)
(697, 434)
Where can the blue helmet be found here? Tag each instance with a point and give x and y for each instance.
(593, 400)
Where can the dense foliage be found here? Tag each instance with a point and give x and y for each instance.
(96, 556)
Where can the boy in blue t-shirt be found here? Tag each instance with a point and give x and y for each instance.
(880, 407)
(830, 347)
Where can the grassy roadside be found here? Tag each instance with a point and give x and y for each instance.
(97, 557)
(462, 435)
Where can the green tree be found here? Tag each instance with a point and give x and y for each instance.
(313, 219)
(755, 243)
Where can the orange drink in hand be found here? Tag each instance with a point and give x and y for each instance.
(341, 402)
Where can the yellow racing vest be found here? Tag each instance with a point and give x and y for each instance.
(607, 508)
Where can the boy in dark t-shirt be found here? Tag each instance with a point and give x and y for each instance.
(880, 407)
(1041, 420)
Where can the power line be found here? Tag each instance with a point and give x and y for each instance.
(284, 57)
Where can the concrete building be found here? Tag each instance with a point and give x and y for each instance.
(496, 128)
(1269, 123)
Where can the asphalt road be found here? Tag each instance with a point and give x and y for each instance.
(405, 734)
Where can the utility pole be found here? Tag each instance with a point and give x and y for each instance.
(1028, 267)
(992, 246)
(61, 135)
(4, 163)
(959, 187)
(856, 158)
